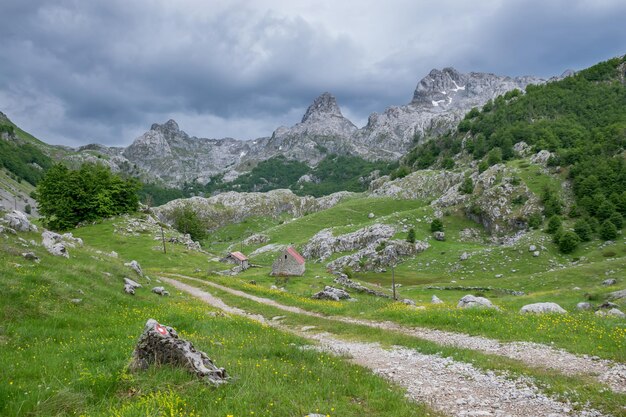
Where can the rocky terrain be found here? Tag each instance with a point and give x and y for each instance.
(166, 153)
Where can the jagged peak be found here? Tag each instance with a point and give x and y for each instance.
(438, 81)
(325, 105)
(170, 126)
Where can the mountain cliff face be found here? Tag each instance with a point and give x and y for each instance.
(439, 102)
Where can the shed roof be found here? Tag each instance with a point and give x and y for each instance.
(291, 251)
(239, 256)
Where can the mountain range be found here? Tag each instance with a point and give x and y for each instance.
(166, 154)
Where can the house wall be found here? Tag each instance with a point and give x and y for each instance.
(289, 266)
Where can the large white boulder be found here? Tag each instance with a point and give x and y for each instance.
(470, 301)
(18, 221)
(541, 308)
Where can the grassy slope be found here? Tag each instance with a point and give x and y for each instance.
(60, 358)
(566, 279)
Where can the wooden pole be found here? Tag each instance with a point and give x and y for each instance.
(393, 282)
(163, 240)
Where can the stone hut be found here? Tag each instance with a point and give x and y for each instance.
(239, 259)
(289, 263)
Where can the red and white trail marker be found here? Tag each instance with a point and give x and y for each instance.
(161, 329)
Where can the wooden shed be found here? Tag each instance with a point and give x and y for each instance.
(289, 263)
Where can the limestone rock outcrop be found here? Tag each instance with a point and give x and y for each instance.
(159, 344)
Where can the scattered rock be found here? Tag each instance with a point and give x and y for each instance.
(541, 308)
(614, 312)
(132, 283)
(616, 295)
(607, 305)
(278, 318)
(53, 242)
(470, 301)
(342, 279)
(610, 281)
(18, 221)
(160, 345)
(307, 328)
(464, 256)
(440, 236)
(256, 239)
(532, 248)
(371, 216)
(134, 265)
(129, 289)
(536, 254)
(160, 291)
(436, 300)
(324, 244)
(30, 256)
(408, 302)
(584, 306)
(331, 293)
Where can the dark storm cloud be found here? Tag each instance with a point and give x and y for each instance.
(76, 72)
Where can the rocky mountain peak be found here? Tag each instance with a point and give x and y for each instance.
(170, 126)
(323, 107)
(438, 82)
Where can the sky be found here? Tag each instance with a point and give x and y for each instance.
(79, 72)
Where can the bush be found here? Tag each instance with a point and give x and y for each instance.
(467, 187)
(28, 209)
(410, 237)
(553, 224)
(608, 231)
(436, 226)
(583, 230)
(568, 242)
(617, 220)
(187, 221)
(535, 220)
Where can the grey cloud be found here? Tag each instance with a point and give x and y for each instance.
(105, 70)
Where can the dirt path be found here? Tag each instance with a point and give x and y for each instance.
(455, 388)
(534, 354)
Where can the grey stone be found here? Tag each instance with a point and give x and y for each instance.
(31, 256)
(470, 301)
(584, 306)
(331, 293)
(541, 308)
(614, 312)
(440, 236)
(616, 295)
(134, 265)
(160, 344)
(76, 300)
(532, 248)
(19, 221)
(160, 291)
(436, 300)
(464, 256)
(610, 281)
(132, 283)
(129, 289)
(536, 253)
(408, 302)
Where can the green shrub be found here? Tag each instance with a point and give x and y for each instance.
(583, 230)
(436, 226)
(568, 242)
(535, 220)
(608, 231)
(410, 237)
(553, 224)
(467, 186)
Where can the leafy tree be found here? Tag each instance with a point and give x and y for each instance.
(410, 237)
(568, 241)
(67, 197)
(436, 225)
(608, 231)
(187, 221)
(28, 209)
(447, 163)
(554, 223)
